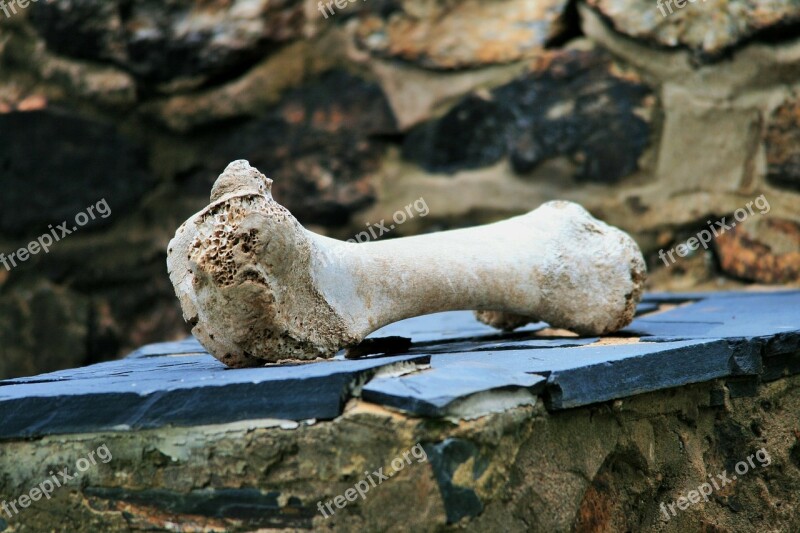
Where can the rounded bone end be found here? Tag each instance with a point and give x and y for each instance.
(240, 178)
(593, 284)
(241, 269)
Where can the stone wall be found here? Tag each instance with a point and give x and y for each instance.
(605, 467)
(483, 108)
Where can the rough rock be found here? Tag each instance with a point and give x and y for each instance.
(766, 250)
(575, 104)
(253, 93)
(608, 466)
(87, 161)
(416, 95)
(108, 86)
(186, 442)
(180, 40)
(733, 167)
(30, 318)
(459, 35)
(782, 142)
(708, 28)
(321, 143)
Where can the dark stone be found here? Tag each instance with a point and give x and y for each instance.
(320, 145)
(677, 298)
(257, 508)
(781, 365)
(379, 345)
(44, 320)
(782, 343)
(490, 343)
(746, 360)
(84, 29)
(471, 135)
(86, 162)
(782, 144)
(677, 364)
(794, 454)
(150, 39)
(571, 105)
(445, 458)
(744, 387)
(605, 505)
(731, 331)
(604, 374)
(182, 390)
(717, 397)
(122, 318)
(728, 432)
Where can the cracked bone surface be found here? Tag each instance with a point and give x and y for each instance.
(257, 287)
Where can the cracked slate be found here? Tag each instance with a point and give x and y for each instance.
(430, 393)
(747, 337)
(156, 391)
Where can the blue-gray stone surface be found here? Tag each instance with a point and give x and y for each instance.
(742, 336)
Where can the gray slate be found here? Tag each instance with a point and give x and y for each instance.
(742, 337)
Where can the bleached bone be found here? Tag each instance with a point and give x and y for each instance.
(257, 287)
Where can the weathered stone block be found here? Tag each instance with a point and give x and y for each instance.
(575, 104)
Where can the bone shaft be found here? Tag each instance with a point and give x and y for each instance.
(453, 270)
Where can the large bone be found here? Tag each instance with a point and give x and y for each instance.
(257, 287)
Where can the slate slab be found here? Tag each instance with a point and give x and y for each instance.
(770, 319)
(454, 366)
(575, 376)
(432, 392)
(185, 346)
(186, 390)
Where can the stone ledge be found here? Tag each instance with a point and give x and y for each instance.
(531, 431)
(454, 366)
(608, 467)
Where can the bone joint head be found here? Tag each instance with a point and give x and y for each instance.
(256, 287)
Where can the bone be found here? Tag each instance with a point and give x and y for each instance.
(258, 288)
